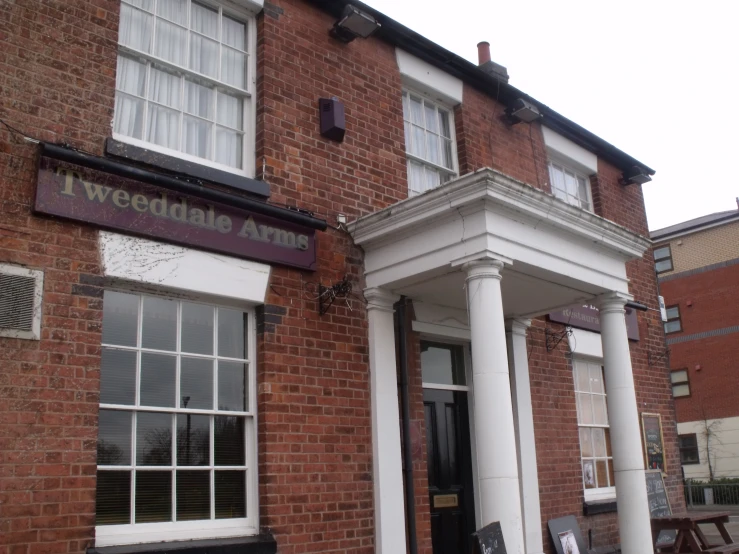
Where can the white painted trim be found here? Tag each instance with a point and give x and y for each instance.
(38, 294)
(442, 331)
(586, 343)
(565, 150)
(144, 261)
(437, 386)
(112, 535)
(605, 493)
(424, 77)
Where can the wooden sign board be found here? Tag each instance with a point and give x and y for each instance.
(659, 505)
(488, 540)
(654, 444)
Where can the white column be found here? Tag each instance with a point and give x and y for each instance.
(497, 465)
(386, 458)
(518, 362)
(623, 418)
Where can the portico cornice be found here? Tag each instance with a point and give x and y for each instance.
(490, 190)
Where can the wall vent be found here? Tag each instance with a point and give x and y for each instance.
(21, 291)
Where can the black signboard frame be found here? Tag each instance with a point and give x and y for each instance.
(654, 444)
(488, 540)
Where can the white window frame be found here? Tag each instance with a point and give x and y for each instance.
(445, 171)
(566, 165)
(38, 295)
(601, 493)
(249, 94)
(135, 533)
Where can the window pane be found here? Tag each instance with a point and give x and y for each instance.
(204, 55)
(596, 378)
(193, 495)
(599, 443)
(586, 442)
(130, 76)
(229, 441)
(406, 107)
(582, 382)
(230, 494)
(193, 440)
(232, 389)
(153, 496)
(129, 116)
(416, 178)
(584, 409)
(158, 376)
(407, 129)
(234, 33)
(442, 364)
(570, 184)
(230, 111)
(672, 326)
(582, 189)
(153, 439)
(611, 476)
(609, 453)
(164, 127)
(416, 111)
(664, 265)
(679, 376)
(113, 497)
(196, 383)
(444, 119)
(418, 139)
(588, 474)
(228, 147)
(147, 5)
(118, 377)
(114, 438)
(233, 67)
(600, 416)
(120, 318)
(663, 252)
(231, 333)
(159, 324)
(199, 100)
(197, 138)
(601, 473)
(673, 312)
(432, 122)
(433, 179)
(447, 160)
(135, 28)
(171, 42)
(687, 441)
(173, 10)
(164, 88)
(680, 390)
(197, 328)
(205, 20)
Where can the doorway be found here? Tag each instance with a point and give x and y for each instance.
(449, 454)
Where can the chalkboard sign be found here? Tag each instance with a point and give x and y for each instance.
(566, 536)
(659, 505)
(489, 540)
(654, 445)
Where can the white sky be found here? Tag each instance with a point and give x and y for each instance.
(656, 78)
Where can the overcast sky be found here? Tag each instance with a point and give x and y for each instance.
(657, 79)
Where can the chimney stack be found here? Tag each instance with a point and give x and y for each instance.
(487, 65)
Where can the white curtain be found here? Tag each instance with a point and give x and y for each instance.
(135, 28)
(228, 142)
(129, 110)
(204, 51)
(198, 133)
(164, 124)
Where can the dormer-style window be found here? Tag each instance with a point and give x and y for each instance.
(429, 143)
(570, 185)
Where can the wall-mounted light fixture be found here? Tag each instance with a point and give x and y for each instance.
(352, 24)
(522, 111)
(635, 176)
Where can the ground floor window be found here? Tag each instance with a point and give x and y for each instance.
(176, 440)
(689, 449)
(595, 438)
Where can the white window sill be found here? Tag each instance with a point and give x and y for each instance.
(113, 535)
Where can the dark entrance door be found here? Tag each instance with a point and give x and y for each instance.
(450, 470)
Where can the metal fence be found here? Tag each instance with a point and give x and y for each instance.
(701, 493)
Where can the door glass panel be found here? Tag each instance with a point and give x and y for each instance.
(442, 364)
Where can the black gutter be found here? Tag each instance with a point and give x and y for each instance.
(410, 497)
(401, 36)
(177, 185)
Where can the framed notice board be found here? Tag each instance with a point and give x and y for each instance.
(654, 443)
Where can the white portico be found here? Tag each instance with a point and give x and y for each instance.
(503, 252)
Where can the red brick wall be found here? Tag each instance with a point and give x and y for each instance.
(712, 295)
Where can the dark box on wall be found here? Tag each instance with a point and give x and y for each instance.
(333, 122)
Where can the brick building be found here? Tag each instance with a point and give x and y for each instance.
(697, 270)
(222, 328)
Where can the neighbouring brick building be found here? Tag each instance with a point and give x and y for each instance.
(222, 327)
(697, 269)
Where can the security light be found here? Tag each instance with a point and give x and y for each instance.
(354, 23)
(522, 110)
(635, 176)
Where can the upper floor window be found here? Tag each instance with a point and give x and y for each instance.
(663, 259)
(429, 143)
(680, 383)
(184, 81)
(689, 449)
(595, 438)
(673, 323)
(570, 185)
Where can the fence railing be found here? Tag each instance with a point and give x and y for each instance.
(707, 493)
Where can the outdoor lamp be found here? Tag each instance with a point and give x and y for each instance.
(354, 23)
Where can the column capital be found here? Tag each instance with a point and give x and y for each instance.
(380, 299)
(517, 326)
(612, 302)
(485, 267)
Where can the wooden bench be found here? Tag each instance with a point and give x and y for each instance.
(732, 548)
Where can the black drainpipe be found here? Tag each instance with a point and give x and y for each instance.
(410, 497)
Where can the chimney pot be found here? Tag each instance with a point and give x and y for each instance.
(483, 52)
